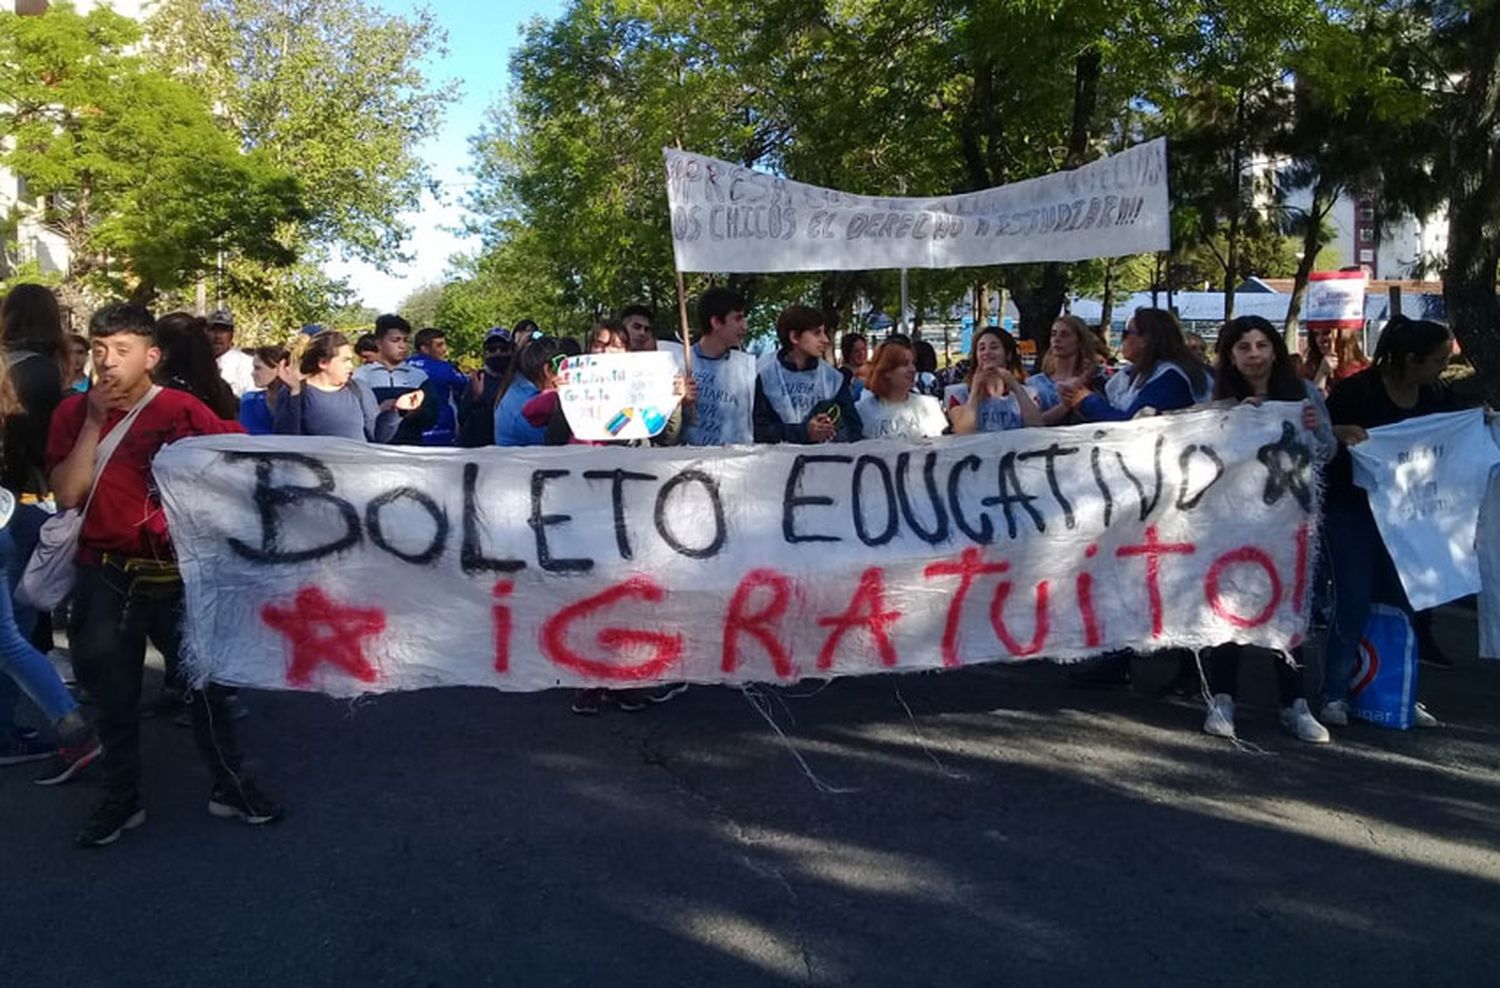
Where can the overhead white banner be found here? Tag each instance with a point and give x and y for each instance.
(733, 219)
(330, 565)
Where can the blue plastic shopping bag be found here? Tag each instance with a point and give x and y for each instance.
(1384, 690)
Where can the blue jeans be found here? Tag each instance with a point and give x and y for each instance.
(26, 670)
(1363, 574)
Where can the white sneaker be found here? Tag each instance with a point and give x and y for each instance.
(1220, 719)
(1336, 713)
(1299, 720)
(1421, 718)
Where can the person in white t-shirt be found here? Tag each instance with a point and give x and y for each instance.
(888, 409)
(236, 367)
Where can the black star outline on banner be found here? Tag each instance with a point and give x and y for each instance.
(1288, 464)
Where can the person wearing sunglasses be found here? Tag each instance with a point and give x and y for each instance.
(1163, 375)
(800, 398)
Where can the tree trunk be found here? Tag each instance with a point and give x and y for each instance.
(1312, 242)
(1040, 301)
(1473, 175)
(1232, 235)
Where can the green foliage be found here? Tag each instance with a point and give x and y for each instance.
(420, 306)
(133, 171)
(332, 90)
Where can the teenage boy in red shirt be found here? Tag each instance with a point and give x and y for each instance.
(128, 585)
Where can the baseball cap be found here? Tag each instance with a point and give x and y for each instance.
(221, 317)
(499, 333)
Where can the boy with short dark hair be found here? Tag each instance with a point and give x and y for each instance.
(724, 374)
(445, 383)
(640, 327)
(128, 587)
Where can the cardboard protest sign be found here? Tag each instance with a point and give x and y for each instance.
(1335, 300)
(330, 565)
(729, 218)
(618, 396)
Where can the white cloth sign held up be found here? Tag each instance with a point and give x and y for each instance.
(1426, 478)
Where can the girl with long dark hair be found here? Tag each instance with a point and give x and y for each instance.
(187, 363)
(1254, 365)
(1403, 383)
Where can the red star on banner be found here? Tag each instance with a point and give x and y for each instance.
(320, 630)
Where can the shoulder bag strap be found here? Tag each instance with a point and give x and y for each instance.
(112, 442)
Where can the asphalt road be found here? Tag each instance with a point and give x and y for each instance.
(1010, 830)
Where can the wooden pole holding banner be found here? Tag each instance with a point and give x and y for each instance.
(687, 337)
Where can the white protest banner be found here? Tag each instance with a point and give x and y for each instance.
(1335, 300)
(1426, 478)
(729, 218)
(1487, 548)
(337, 566)
(618, 396)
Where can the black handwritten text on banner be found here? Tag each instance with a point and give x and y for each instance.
(336, 566)
(729, 218)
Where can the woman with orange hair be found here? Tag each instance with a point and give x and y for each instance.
(888, 409)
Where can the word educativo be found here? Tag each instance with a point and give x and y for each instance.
(329, 565)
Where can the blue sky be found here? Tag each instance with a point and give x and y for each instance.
(481, 34)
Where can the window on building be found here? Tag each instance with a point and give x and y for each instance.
(1366, 256)
(1367, 214)
(1367, 234)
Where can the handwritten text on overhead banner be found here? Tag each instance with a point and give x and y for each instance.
(729, 218)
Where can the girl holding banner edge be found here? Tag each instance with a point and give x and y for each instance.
(1254, 366)
(799, 398)
(1403, 383)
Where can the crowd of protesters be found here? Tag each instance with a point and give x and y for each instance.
(83, 418)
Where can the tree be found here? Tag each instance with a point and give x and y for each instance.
(132, 171)
(1223, 108)
(420, 306)
(330, 89)
(1467, 37)
(1345, 102)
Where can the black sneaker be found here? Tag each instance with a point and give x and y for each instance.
(110, 819)
(70, 760)
(25, 746)
(164, 704)
(242, 800)
(1107, 672)
(671, 691)
(235, 707)
(586, 703)
(630, 701)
